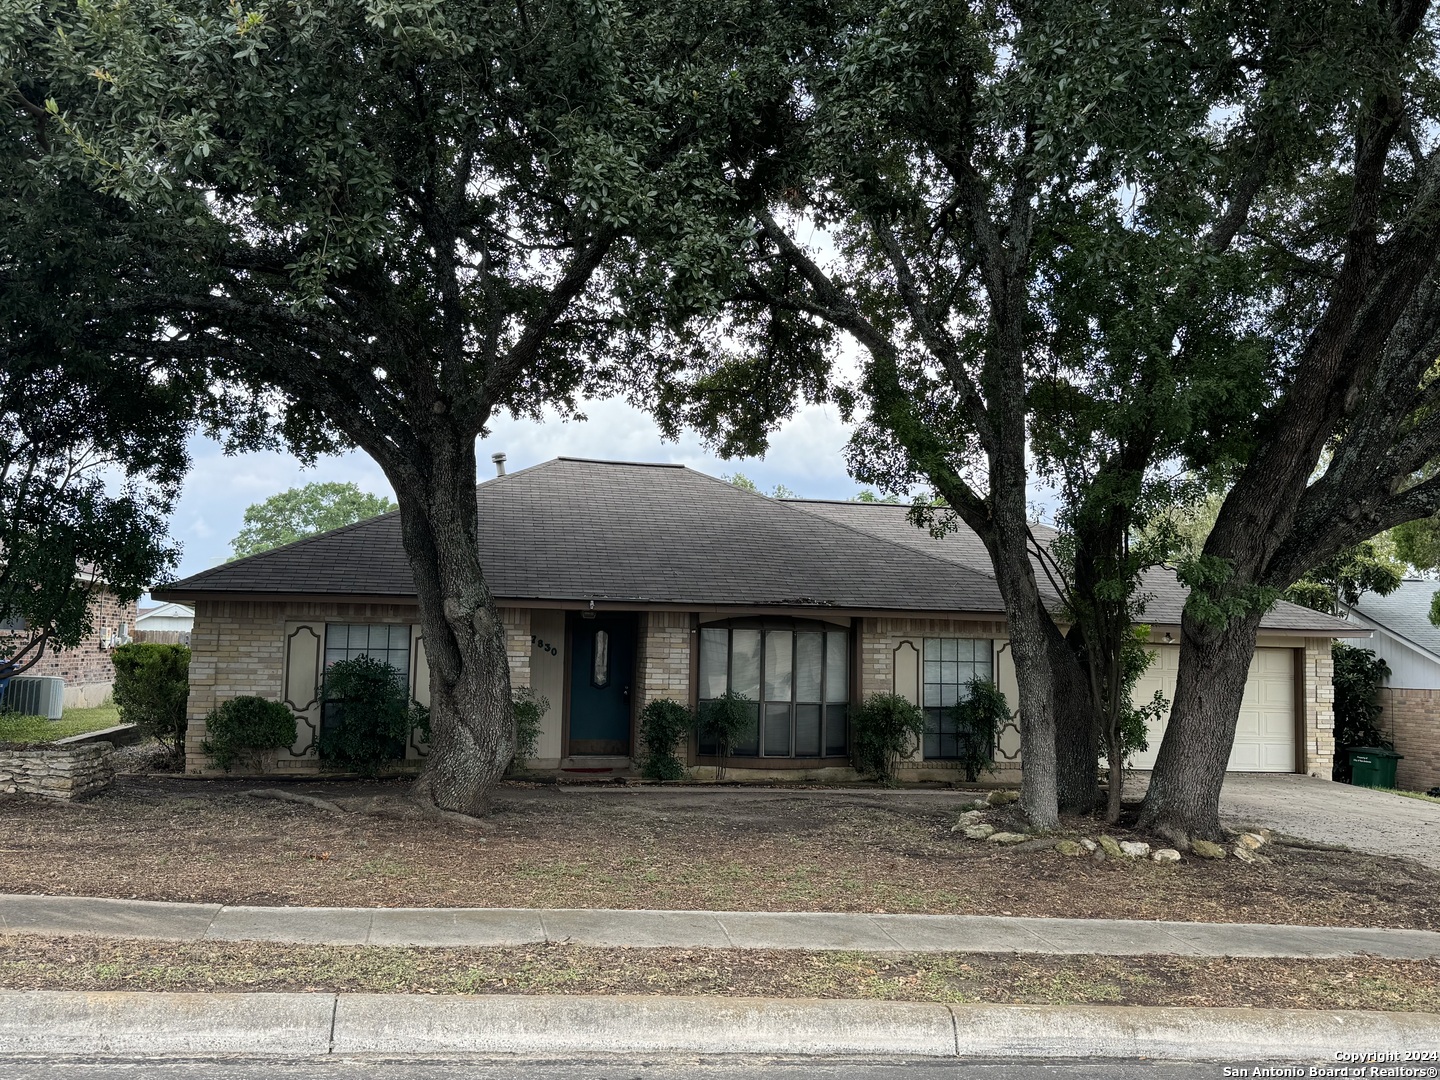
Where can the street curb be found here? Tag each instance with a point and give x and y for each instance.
(293, 1025)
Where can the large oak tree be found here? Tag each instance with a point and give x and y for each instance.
(408, 217)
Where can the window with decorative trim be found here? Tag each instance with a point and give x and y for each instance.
(948, 665)
(796, 673)
(384, 641)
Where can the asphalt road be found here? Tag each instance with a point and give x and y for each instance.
(672, 1069)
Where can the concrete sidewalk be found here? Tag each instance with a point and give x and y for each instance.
(491, 927)
(296, 1026)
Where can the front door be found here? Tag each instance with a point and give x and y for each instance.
(602, 671)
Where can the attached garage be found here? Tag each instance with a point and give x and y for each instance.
(1265, 735)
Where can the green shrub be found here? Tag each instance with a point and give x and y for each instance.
(724, 721)
(978, 719)
(885, 729)
(152, 686)
(663, 724)
(243, 728)
(1358, 676)
(530, 708)
(367, 714)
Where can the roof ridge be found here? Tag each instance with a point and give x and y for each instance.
(785, 503)
(616, 461)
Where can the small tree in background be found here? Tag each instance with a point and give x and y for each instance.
(305, 511)
(887, 728)
(152, 687)
(663, 724)
(1358, 676)
(367, 714)
(724, 722)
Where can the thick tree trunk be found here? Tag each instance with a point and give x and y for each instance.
(1183, 802)
(1029, 645)
(472, 736)
(1077, 729)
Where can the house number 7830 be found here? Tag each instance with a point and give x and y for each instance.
(535, 641)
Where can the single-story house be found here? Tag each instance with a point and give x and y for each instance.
(86, 669)
(165, 618)
(623, 583)
(1409, 643)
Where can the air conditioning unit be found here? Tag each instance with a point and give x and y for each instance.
(35, 695)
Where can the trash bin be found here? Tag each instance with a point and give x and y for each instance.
(1373, 766)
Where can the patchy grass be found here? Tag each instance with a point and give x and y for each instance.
(1411, 794)
(161, 838)
(36, 729)
(88, 963)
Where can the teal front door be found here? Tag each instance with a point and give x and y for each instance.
(602, 672)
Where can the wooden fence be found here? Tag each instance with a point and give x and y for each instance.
(162, 637)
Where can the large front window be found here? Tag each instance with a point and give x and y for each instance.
(798, 678)
(950, 664)
(345, 641)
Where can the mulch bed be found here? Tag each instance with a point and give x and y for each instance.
(87, 963)
(160, 838)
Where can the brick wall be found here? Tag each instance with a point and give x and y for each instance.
(664, 657)
(87, 670)
(238, 648)
(879, 640)
(1412, 721)
(517, 645)
(1318, 705)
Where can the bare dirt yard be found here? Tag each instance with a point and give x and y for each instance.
(773, 849)
(87, 963)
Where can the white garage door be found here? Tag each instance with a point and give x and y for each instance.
(1265, 736)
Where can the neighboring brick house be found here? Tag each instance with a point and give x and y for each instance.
(1409, 643)
(87, 669)
(623, 583)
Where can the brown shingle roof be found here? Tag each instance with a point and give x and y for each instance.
(1165, 596)
(577, 530)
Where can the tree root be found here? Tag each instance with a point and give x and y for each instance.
(379, 806)
(295, 797)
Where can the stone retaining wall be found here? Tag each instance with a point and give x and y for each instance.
(57, 774)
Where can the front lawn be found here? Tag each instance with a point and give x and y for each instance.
(728, 849)
(86, 963)
(32, 729)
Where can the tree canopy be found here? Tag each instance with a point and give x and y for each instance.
(299, 512)
(404, 217)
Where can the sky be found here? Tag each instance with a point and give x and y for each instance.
(805, 456)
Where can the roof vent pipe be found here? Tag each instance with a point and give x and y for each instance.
(499, 460)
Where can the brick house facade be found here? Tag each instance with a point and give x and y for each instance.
(87, 669)
(621, 584)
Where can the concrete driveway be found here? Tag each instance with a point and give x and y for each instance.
(1331, 813)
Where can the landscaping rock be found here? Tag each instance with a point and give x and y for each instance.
(1098, 854)
(1111, 847)
(1008, 838)
(970, 817)
(1249, 841)
(1088, 844)
(1206, 850)
(1135, 848)
(1003, 798)
(975, 804)
(1070, 848)
(979, 832)
(1247, 856)
(1165, 854)
(1040, 843)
